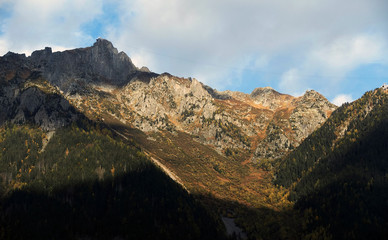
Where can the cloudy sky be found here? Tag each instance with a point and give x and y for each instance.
(339, 48)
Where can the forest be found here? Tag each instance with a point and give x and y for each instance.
(86, 183)
(340, 184)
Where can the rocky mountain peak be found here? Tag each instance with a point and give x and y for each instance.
(312, 94)
(144, 69)
(268, 97)
(263, 91)
(313, 98)
(100, 63)
(103, 48)
(14, 57)
(103, 43)
(41, 55)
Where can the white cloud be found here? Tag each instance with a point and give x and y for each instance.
(325, 67)
(342, 98)
(216, 41)
(34, 24)
(142, 58)
(291, 82)
(346, 53)
(190, 37)
(3, 46)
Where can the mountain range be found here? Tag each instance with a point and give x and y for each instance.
(233, 154)
(99, 80)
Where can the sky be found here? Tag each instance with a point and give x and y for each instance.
(338, 48)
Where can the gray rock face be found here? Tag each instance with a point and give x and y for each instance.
(30, 100)
(41, 56)
(26, 98)
(14, 57)
(47, 111)
(144, 69)
(101, 63)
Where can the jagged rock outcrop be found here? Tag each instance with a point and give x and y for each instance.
(27, 99)
(293, 124)
(312, 108)
(101, 63)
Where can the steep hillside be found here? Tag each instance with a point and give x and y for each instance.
(86, 184)
(339, 173)
(220, 136)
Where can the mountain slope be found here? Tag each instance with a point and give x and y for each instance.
(227, 132)
(170, 103)
(339, 174)
(100, 80)
(213, 141)
(63, 176)
(89, 184)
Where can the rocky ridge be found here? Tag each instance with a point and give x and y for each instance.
(99, 81)
(232, 124)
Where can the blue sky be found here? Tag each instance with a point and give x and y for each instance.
(338, 48)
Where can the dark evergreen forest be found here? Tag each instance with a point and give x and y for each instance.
(340, 185)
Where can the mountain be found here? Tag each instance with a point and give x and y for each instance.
(233, 128)
(223, 122)
(220, 146)
(338, 175)
(64, 176)
(150, 102)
